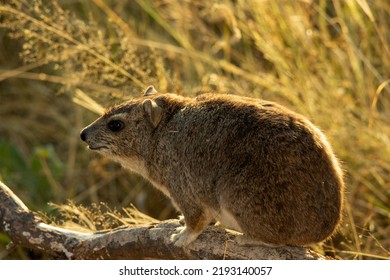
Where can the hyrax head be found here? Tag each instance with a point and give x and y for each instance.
(121, 133)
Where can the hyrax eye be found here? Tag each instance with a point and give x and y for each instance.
(115, 125)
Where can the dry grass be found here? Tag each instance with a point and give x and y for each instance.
(327, 59)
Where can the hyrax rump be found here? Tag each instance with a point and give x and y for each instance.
(250, 164)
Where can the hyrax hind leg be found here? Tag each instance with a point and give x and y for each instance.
(195, 222)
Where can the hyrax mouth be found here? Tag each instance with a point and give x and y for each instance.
(96, 148)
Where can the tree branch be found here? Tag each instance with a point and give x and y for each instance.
(151, 241)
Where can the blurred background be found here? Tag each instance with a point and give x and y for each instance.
(63, 61)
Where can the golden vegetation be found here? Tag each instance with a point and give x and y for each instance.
(327, 59)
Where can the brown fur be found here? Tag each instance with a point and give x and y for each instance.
(253, 165)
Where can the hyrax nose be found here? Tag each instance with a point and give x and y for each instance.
(83, 134)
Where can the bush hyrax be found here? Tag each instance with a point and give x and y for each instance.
(250, 164)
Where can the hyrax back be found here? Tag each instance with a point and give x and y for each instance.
(253, 165)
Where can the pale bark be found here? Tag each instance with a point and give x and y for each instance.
(26, 229)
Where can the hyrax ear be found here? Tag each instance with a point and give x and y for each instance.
(152, 111)
(150, 91)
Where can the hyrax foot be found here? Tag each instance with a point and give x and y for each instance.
(244, 240)
(181, 220)
(184, 236)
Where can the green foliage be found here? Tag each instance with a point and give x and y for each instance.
(40, 173)
(327, 59)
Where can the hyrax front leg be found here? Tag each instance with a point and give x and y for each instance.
(196, 221)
